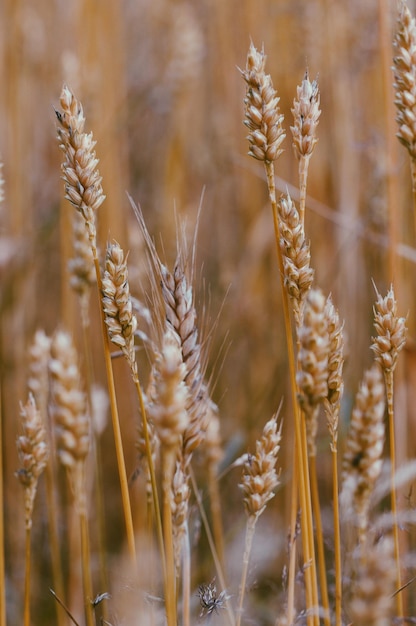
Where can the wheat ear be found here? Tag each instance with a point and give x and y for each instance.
(168, 411)
(312, 379)
(332, 406)
(38, 385)
(264, 121)
(306, 114)
(84, 191)
(361, 465)
(73, 437)
(33, 455)
(404, 61)
(390, 339)
(258, 483)
(373, 585)
(298, 275)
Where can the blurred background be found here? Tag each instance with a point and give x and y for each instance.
(163, 96)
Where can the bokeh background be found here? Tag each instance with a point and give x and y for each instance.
(163, 95)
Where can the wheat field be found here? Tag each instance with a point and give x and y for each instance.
(207, 312)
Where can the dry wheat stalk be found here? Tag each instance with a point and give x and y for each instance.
(405, 79)
(263, 118)
(373, 584)
(306, 114)
(82, 178)
(258, 483)
(73, 435)
(117, 305)
(390, 339)
(298, 276)
(33, 453)
(68, 408)
(364, 447)
(312, 377)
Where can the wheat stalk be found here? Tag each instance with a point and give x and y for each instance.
(38, 385)
(33, 455)
(306, 113)
(264, 120)
(84, 191)
(73, 437)
(258, 483)
(312, 380)
(390, 340)
(332, 404)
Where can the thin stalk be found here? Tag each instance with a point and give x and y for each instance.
(413, 174)
(186, 578)
(388, 376)
(168, 462)
(56, 560)
(319, 539)
(251, 525)
(217, 528)
(98, 491)
(2, 565)
(27, 577)
(337, 537)
(128, 518)
(158, 517)
(302, 475)
(211, 543)
(86, 569)
(292, 555)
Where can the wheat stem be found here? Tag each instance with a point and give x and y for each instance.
(388, 377)
(27, 577)
(292, 539)
(155, 497)
(86, 568)
(186, 578)
(2, 564)
(211, 543)
(302, 474)
(250, 527)
(319, 538)
(168, 464)
(125, 497)
(337, 537)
